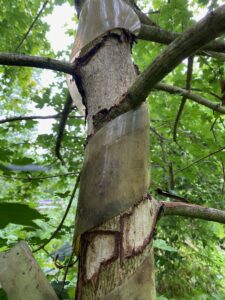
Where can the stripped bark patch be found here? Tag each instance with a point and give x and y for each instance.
(101, 250)
(137, 227)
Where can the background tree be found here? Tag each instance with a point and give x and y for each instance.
(187, 148)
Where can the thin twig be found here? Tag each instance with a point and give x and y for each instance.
(221, 160)
(25, 118)
(223, 171)
(202, 158)
(171, 183)
(171, 196)
(65, 113)
(38, 178)
(207, 92)
(158, 134)
(64, 216)
(69, 265)
(194, 97)
(32, 25)
(184, 98)
(221, 122)
(212, 129)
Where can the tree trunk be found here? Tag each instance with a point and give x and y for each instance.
(116, 217)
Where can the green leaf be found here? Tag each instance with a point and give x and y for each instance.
(20, 214)
(3, 295)
(161, 244)
(63, 195)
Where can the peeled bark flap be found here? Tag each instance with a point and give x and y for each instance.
(115, 174)
(96, 18)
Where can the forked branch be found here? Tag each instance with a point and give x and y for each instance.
(182, 47)
(185, 45)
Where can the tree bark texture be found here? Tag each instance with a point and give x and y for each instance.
(116, 217)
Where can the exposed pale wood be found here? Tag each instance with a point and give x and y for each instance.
(103, 89)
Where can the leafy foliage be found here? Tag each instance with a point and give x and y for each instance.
(189, 254)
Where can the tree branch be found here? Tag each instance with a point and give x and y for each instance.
(193, 211)
(213, 54)
(32, 25)
(185, 45)
(184, 98)
(171, 182)
(25, 118)
(13, 59)
(197, 98)
(144, 18)
(38, 178)
(162, 36)
(207, 92)
(65, 114)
